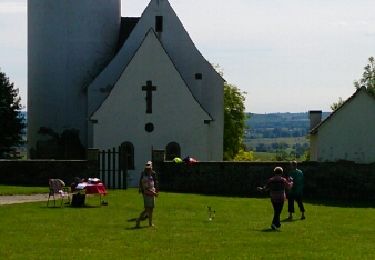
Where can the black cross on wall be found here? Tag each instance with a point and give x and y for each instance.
(149, 88)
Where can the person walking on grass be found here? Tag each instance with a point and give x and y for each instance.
(277, 186)
(147, 187)
(148, 167)
(296, 192)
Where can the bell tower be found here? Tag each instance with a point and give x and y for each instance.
(69, 43)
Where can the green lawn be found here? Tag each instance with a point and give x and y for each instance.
(240, 230)
(14, 190)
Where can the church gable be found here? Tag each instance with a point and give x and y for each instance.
(198, 74)
(150, 84)
(202, 85)
(151, 107)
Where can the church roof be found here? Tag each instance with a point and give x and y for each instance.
(127, 26)
(130, 41)
(151, 31)
(332, 115)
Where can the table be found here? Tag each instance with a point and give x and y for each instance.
(93, 188)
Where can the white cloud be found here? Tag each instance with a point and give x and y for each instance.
(340, 23)
(12, 7)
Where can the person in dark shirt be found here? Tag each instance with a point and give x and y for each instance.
(296, 192)
(277, 186)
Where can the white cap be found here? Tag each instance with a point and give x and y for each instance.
(148, 165)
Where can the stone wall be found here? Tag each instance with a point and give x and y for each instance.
(342, 180)
(37, 172)
(331, 181)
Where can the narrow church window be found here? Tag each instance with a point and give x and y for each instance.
(172, 151)
(198, 76)
(149, 88)
(127, 156)
(149, 127)
(158, 23)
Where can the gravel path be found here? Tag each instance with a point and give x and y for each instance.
(23, 198)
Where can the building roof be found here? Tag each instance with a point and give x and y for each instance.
(153, 33)
(106, 79)
(127, 26)
(362, 89)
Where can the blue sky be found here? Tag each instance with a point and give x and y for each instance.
(288, 55)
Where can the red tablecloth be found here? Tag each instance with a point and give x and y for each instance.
(91, 188)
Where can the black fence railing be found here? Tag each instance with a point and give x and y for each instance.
(112, 170)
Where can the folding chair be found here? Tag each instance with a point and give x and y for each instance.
(57, 186)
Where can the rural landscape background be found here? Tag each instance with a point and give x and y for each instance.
(278, 136)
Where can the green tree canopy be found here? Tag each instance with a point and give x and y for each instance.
(367, 81)
(234, 121)
(337, 104)
(10, 120)
(368, 77)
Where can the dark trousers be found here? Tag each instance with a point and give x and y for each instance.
(277, 208)
(298, 199)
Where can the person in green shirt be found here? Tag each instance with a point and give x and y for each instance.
(296, 192)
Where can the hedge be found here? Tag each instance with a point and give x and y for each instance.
(341, 180)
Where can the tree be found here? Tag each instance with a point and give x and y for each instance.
(234, 121)
(242, 156)
(10, 120)
(367, 81)
(337, 104)
(368, 77)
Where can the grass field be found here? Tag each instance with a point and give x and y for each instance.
(288, 140)
(264, 156)
(240, 230)
(15, 190)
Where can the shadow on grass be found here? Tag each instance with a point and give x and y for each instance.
(136, 228)
(86, 207)
(269, 230)
(289, 220)
(341, 203)
(350, 203)
(70, 207)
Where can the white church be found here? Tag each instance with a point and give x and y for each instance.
(139, 83)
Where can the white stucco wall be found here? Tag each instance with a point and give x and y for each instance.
(176, 115)
(69, 41)
(188, 61)
(349, 134)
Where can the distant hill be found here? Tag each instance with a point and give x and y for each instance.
(275, 125)
(278, 136)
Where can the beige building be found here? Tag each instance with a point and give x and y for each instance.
(99, 80)
(347, 134)
(157, 93)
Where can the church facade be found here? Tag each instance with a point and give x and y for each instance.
(157, 92)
